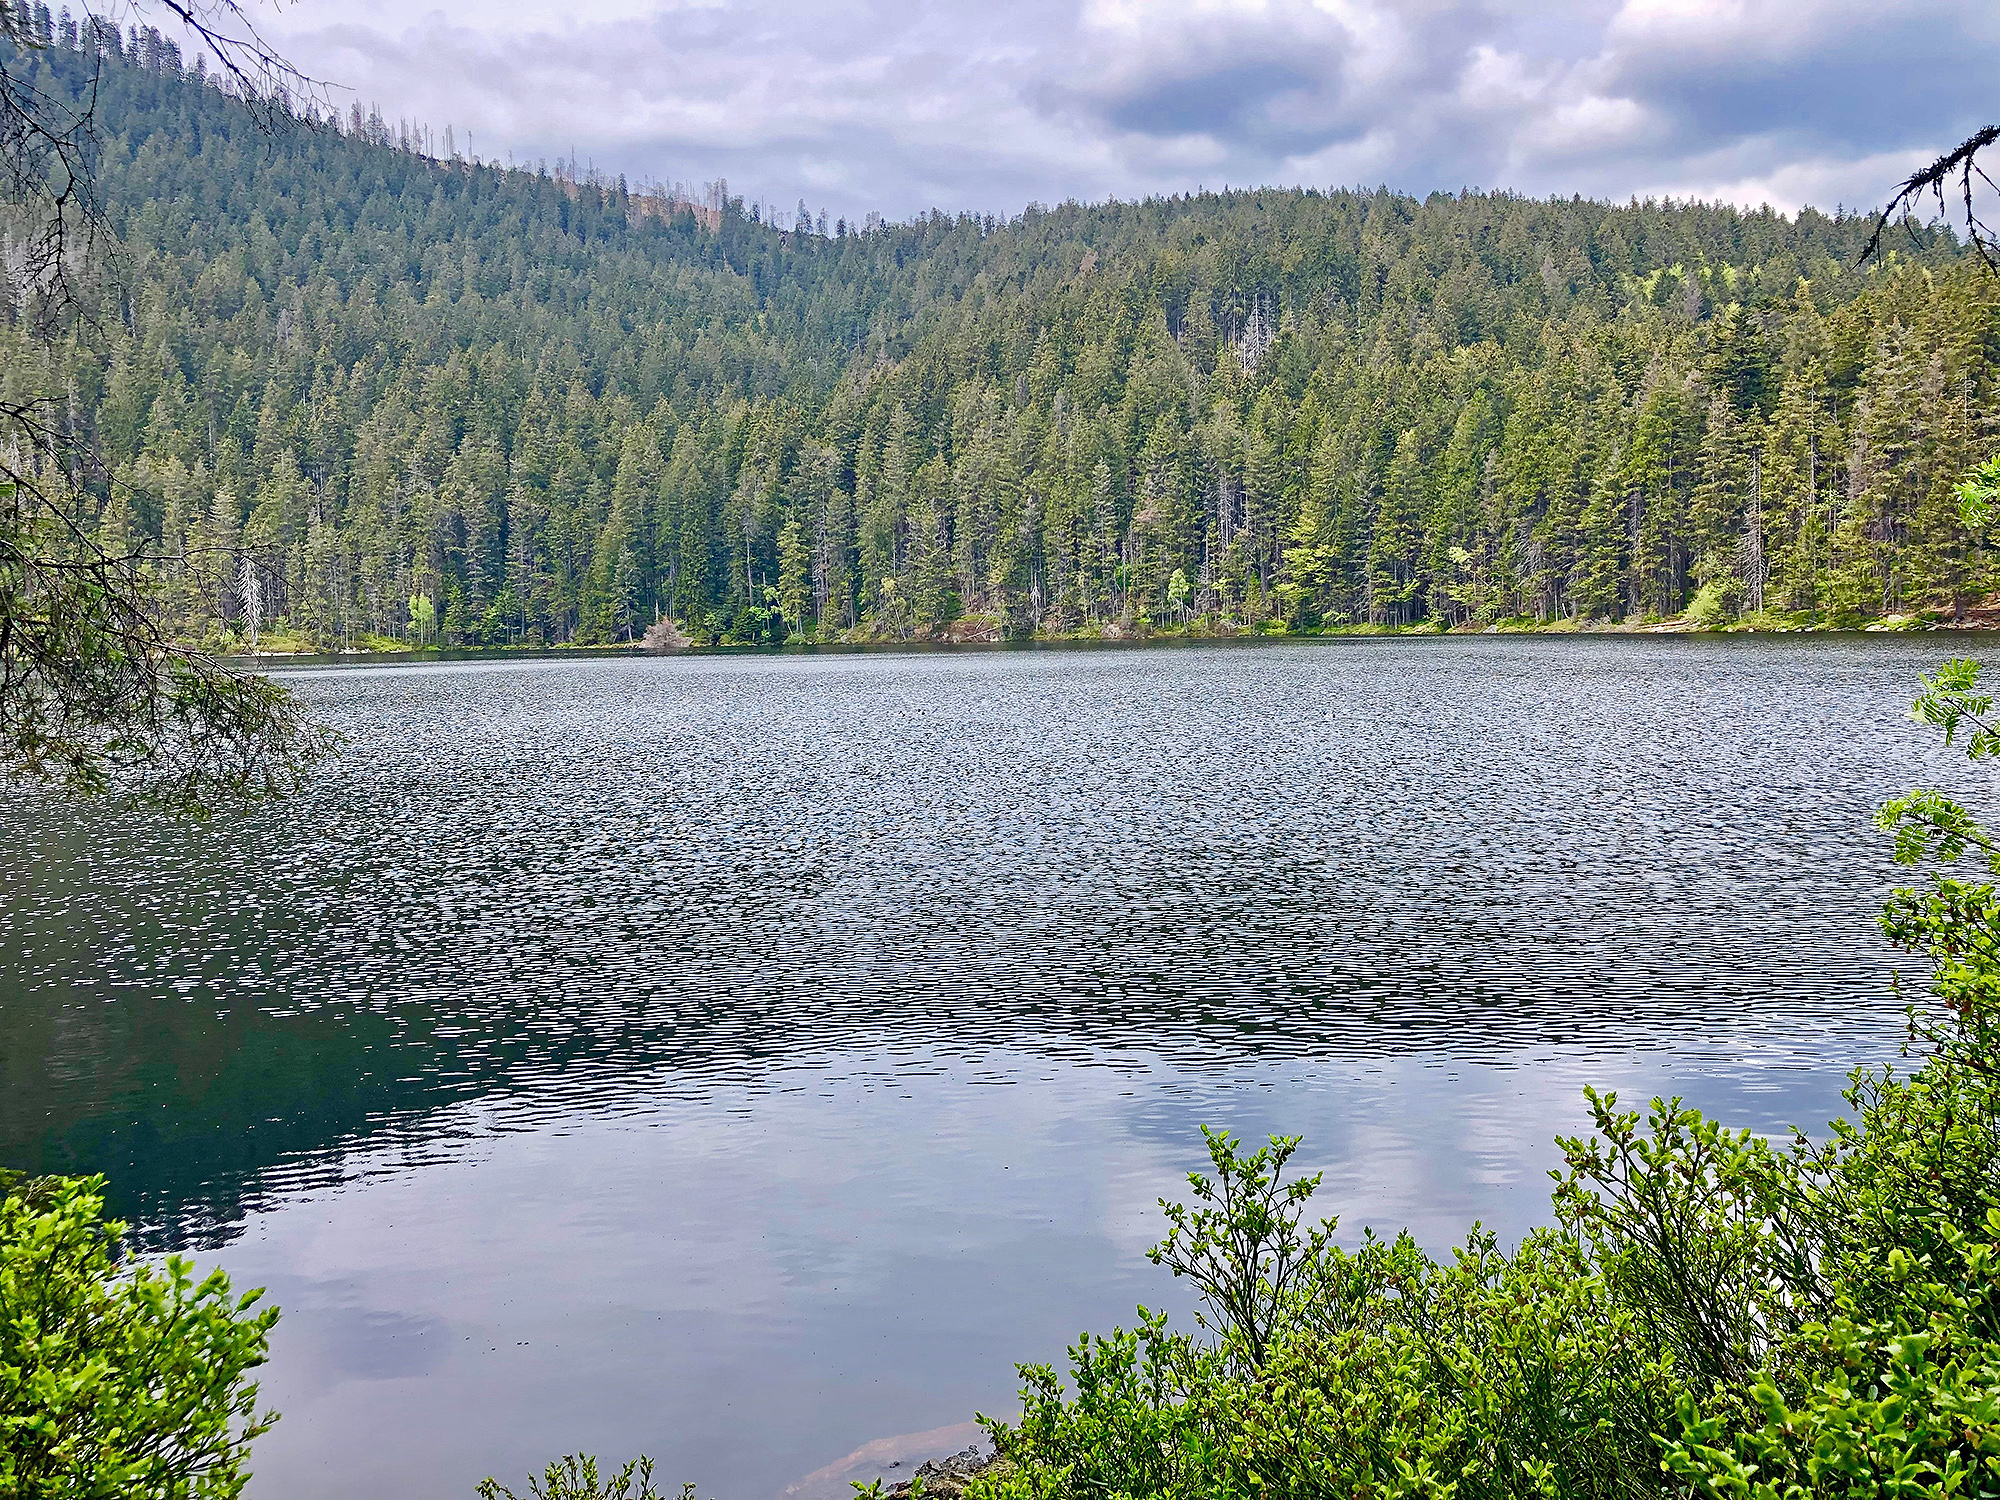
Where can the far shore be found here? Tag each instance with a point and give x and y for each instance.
(984, 636)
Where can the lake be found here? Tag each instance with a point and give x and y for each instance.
(747, 1059)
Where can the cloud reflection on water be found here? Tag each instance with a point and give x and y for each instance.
(749, 1285)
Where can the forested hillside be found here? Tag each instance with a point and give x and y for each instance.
(350, 391)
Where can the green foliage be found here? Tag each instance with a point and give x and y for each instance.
(1242, 1245)
(117, 1381)
(1906, 1406)
(576, 1478)
(1978, 495)
(1951, 701)
(1956, 922)
(1708, 608)
(1712, 1313)
(423, 619)
(872, 1489)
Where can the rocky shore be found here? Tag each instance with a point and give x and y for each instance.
(945, 1478)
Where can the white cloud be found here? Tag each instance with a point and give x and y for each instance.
(1751, 28)
(1581, 127)
(1822, 183)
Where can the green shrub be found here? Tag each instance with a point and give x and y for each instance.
(116, 1379)
(576, 1478)
(1709, 607)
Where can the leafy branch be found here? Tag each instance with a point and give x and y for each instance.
(1243, 1244)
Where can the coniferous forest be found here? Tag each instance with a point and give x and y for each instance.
(347, 387)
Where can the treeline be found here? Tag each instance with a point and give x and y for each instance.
(344, 390)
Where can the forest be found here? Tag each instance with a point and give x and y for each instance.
(346, 388)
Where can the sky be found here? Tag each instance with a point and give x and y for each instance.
(875, 105)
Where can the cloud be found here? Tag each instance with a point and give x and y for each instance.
(902, 107)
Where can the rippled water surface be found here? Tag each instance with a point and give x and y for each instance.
(744, 1059)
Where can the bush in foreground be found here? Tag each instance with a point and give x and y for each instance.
(117, 1379)
(576, 1478)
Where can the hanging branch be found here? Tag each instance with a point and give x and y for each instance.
(96, 696)
(47, 147)
(48, 139)
(227, 31)
(1961, 165)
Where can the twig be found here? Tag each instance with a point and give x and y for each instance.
(1960, 162)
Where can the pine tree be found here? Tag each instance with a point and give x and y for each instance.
(1717, 507)
(1887, 476)
(1659, 474)
(794, 576)
(1312, 563)
(927, 576)
(1598, 575)
(1393, 548)
(1796, 486)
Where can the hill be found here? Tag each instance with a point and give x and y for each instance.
(356, 392)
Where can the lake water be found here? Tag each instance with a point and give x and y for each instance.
(747, 1059)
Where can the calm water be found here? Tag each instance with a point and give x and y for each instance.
(748, 1059)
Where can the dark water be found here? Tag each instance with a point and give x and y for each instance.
(744, 1059)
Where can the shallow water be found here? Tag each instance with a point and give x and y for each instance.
(742, 1059)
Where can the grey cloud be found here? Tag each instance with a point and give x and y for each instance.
(1235, 101)
(903, 107)
(1867, 84)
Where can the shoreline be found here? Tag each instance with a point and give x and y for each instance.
(948, 639)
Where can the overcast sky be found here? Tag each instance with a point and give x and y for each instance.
(900, 107)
